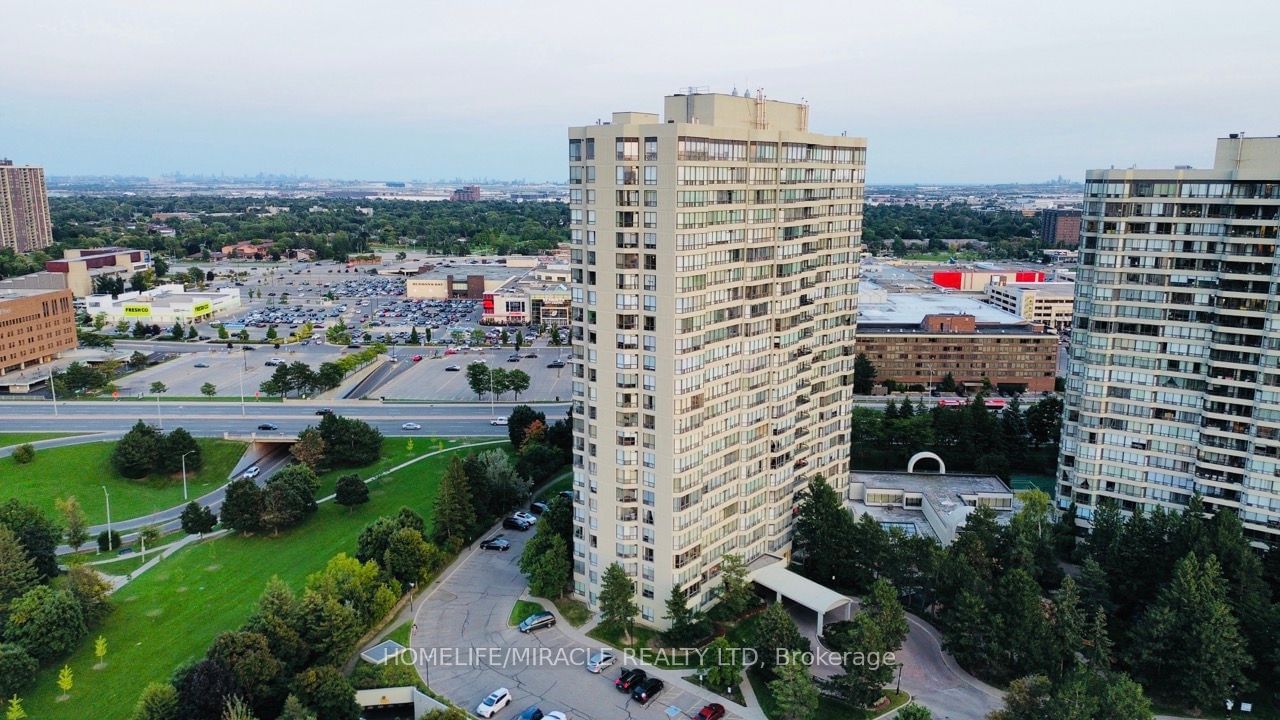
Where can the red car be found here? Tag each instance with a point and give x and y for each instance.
(417, 358)
(714, 711)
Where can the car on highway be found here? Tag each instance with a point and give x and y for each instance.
(325, 411)
(647, 690)
(537, 621)
(497, 542)
(555, 364)
(251, 473)
(496, 700)
(599, 660)
(201, 365)
(513, 358)
(524, 516)
(417, 358)
(498, 421)
(630, 678)
(531, 355)
(453, 368)
(268, 426)
(411, 426)
(514, 523)
(714, 711)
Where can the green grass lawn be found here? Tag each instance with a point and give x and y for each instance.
(81, 470)
(564, 481)
(828, 707)
(400, 633)
(574, 611)
(170, 614)
(395, 451)
(523, 609)
(7, 439)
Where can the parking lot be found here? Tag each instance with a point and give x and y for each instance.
(464, 647)
(428, 379)
(183, 378)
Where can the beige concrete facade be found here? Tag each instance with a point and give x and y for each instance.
(714, 258)
(1172, 383)
(24, 208)
(36, 326)
(1049, 303)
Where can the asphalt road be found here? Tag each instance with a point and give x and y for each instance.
(215, 418)
(464, 622)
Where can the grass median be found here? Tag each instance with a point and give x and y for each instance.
(7, 439)
(170, 614)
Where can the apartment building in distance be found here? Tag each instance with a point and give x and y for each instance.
(920, 338)
(714, 258)
(24, 208)
(1048, 303)
(1060, 226)
(1173, 386)
(36, 326)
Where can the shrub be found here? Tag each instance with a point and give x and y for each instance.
(24, 453)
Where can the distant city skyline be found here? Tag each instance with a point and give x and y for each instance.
(1009, 93)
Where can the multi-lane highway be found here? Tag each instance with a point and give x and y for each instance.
(214, 418)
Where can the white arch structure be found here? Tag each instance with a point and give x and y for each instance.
(926, 455)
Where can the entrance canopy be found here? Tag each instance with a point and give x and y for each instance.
(800, 589)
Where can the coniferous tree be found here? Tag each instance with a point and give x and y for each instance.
(455, 516)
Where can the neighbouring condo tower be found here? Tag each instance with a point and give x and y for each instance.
(24, 208)
(1174, 381)
(714, 262)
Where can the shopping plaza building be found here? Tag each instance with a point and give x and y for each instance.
(1173, 387)
(714, 281)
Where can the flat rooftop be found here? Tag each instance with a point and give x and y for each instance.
(1057, 289)
(934, 487)
(878, 307)
(18, 293)
(461, 270)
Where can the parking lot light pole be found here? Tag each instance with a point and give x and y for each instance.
(184, 473)
(109, 537)
(492, 409)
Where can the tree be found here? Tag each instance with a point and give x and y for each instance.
(309, 450)
(865, 642)
(38, 535)
(948, 384)
(414, 339)
(47, 622)
(618, 607)
(295, 710)
(722, 664)
(821, 516)
(479, 378)
(550, 571)
(1025, 639)
(794, 691)
(497, 484)
(242, 506)
(279, 618)
(522, 416)
(137, 361)
(455, 515)
(99, 321)
(349, 442)
(203, 690)
(351, 491)
(174, 447)
(776, 634)
(24, 454)
(237, 709)
(148, 535)
(1044, 420)
(222, 333)
(519, 340)
(538, 462)
(158, 701)
(135, 454)
(409, 558)
(92, 593)
(208, 389)
(197, 519)
(302, 379)
(1190, 634)
(108, 541)
(864, 375)
(18, 572)
(191, 332)
(248, 656)
(100, 651)
(66, 680)
(327, 691)
(17, 669)
(735, 589)
(1029, 698)
(15, 711)
(288, 497)
(517, 381)
(271, 332)
(278, 383)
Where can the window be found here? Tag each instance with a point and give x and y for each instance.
(651, 221)
(628, 175)
(651, 148)
(575, 151)
(575, 174)
(650, 175)
(591, 173)
(651, 198)
(628, 149)
(591, 148)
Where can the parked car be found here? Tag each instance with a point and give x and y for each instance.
(411, 426)
(496, 700)
(524, 517)
(251, 473)
(268, 426)
(556, 715)
(531, 355)
(530, 713)
(714, 711)
(513, 523)
(498, 421)
(567, 495)
(537, 621)
(599, 660)
(630, 678)
(453, 368)
(538, 507)
(647, 690)
(202, 365)
(497, 542)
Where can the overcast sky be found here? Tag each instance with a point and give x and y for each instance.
(978, 91)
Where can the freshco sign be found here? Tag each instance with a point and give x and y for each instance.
(137, 310)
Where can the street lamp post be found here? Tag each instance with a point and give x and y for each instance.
(53, 388)
(184, 473)
(412, 586)
(109, 536)
(492, 410)
(245, 356)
